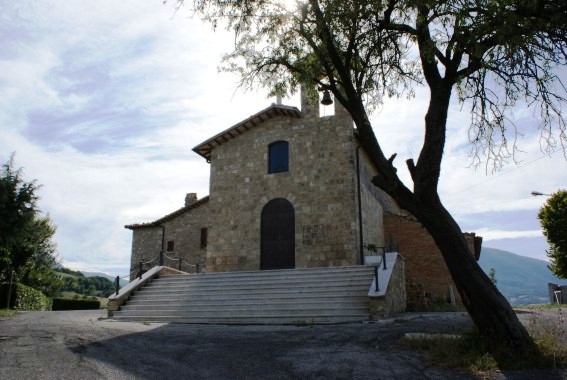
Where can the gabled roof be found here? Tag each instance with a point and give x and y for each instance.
(204, 149)
(157, 223)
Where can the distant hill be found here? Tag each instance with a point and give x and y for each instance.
(522, 280)
(75, 282)
(123, 282)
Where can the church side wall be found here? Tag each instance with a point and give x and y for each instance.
(371, 204)
(146, 244)
(185, 232)
(319, 185)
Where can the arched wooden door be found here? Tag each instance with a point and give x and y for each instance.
(277, 234)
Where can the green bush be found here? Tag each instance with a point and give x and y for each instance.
(74, 304)
(24, 298)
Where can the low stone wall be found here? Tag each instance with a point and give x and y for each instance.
(394, 299)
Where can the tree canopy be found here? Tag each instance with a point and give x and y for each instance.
(553, 219)
(25, 235)
(493, 55)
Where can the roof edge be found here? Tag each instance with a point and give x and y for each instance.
(204, 148)
(158, 222)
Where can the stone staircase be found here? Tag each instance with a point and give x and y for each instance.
(291, 296)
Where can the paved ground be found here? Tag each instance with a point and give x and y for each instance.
(85, 345)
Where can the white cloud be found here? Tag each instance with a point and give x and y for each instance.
(94, 63)
(489, 234)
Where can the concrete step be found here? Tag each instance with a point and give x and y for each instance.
(290, 273)
(251, 320)
(247, 299)
(264, 293)
(247, 304)
(274, 282)
(314, 295)
(257, 312)
(310, 285)
(270, 273)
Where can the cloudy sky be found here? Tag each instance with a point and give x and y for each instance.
(103, 101)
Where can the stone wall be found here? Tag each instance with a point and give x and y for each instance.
(395, 299)
(185, 232)
(183, 229)
(371, 204)
(320, 185)
(146, 244)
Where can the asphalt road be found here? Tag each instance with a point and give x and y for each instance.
(85, 345)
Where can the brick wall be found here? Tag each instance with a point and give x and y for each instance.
(427, 276)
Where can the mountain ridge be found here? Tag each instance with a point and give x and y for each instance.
(522, 280)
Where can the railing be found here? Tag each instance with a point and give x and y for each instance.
(374, 249)
(117, 281)
(381, 263)
(160, 259)
(182, 264)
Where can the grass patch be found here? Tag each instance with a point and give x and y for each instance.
(466, 352)
(73, 295)
(7, 312)
(539, 307)
(471, 353)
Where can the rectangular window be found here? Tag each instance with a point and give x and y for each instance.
(170, 246)
(278, 157)
(204, 237)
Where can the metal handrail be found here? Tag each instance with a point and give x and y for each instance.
(376, 277)
(383, 264)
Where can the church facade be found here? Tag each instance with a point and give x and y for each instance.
(291, 189)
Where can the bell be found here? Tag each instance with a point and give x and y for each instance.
(326, 98)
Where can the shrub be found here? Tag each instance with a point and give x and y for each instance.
(24, 298)
(74, 304)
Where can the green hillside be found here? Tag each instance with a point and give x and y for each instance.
(522, 280)
(123, 282)
(76, 282)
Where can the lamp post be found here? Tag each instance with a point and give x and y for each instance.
(537, 194)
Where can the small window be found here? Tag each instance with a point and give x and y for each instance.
(170, 246)
(204, 237)
(278, 157)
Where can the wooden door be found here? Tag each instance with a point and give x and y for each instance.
(277, 234)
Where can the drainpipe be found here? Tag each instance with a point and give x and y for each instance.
(360, 242)
(162, 245)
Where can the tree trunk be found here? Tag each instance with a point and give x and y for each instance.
(488, 308)
(490, 311)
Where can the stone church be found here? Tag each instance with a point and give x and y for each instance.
(292, 189)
